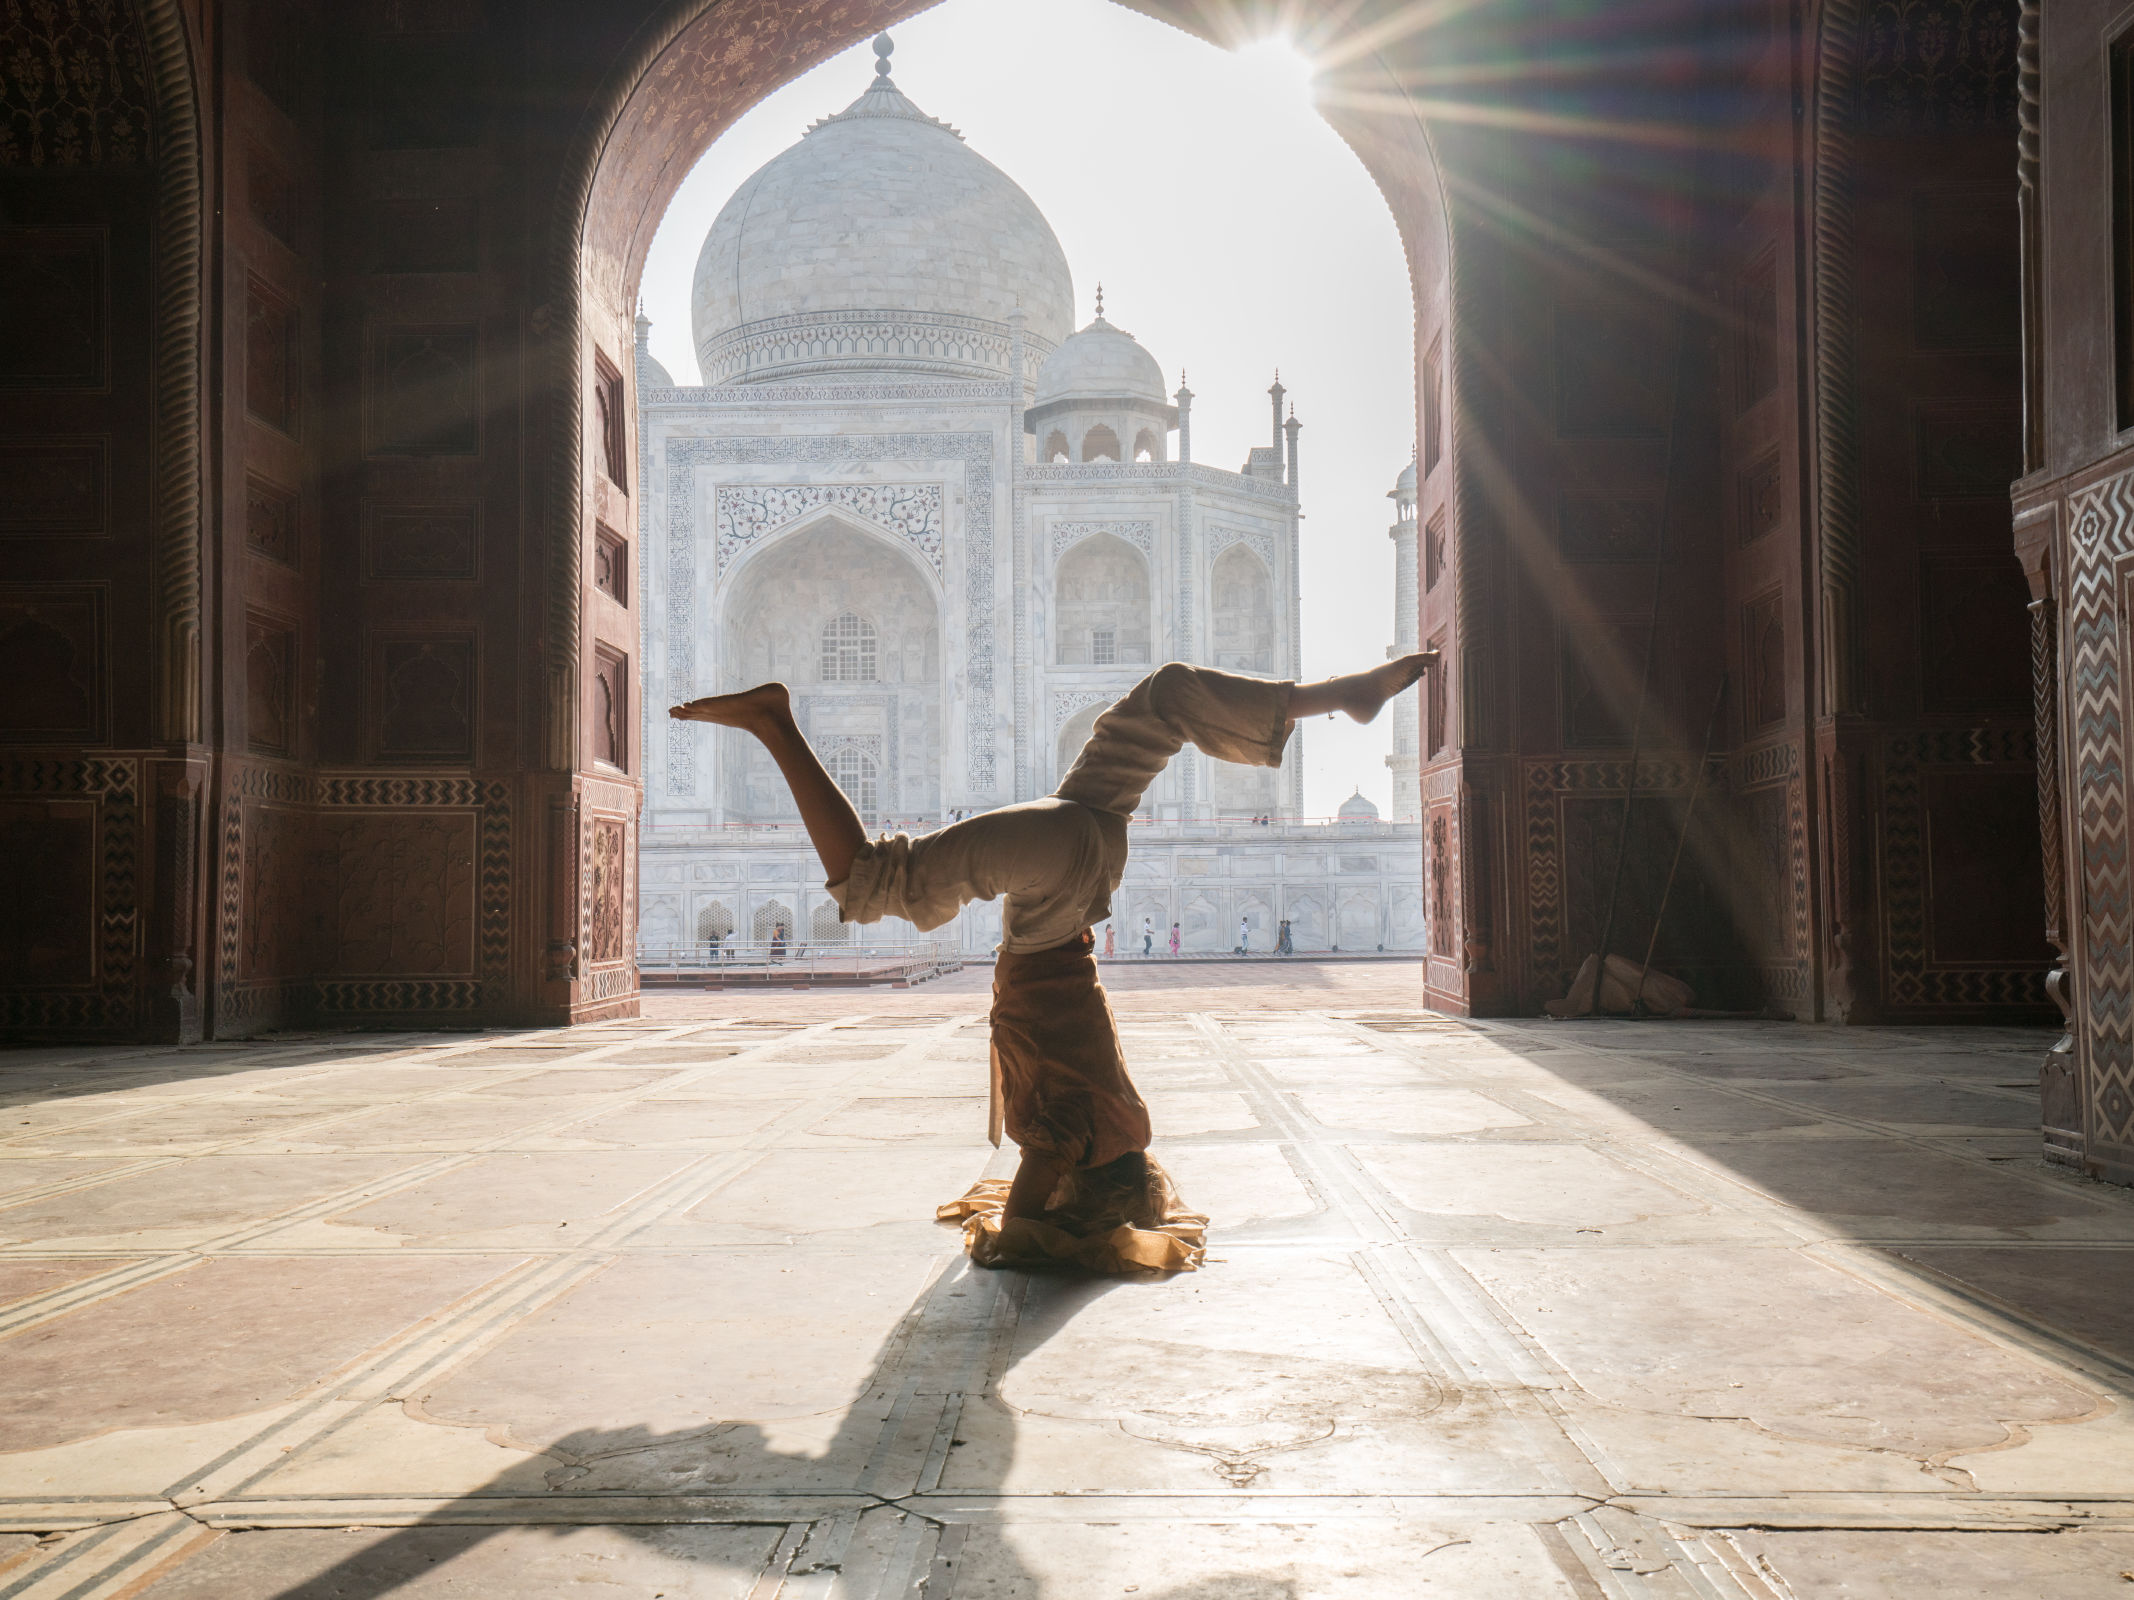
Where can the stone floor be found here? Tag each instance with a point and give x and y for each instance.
(1505, 1310)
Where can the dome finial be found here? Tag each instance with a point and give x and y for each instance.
(883, 47)
(1100, 302)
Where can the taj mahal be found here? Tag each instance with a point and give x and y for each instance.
(959, 527)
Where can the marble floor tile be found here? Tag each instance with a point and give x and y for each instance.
(1492, 1308)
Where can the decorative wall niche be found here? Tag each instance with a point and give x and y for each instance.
(611, 708)
(611, 417)
(271, 521)
(1763, 657)
(611, 564)
(272, 195)
(1434, 702)
(1608, 527)
(1433, 405)
(1433, 549)
(421, 540)
(1756, 336)
(53, 486)
(52, 283)
(425, 697)
(425, 392)
(270, 683)
(1600, 671)
(402, 889)
(1967, 450)
(271, 342)
(52, 643)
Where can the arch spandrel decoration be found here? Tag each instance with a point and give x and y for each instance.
(743, 514)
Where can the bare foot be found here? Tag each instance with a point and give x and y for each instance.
(1364, 694)
(752, 710)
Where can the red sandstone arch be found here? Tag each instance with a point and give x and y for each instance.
(687, 76)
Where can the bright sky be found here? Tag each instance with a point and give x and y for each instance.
(1233, 231)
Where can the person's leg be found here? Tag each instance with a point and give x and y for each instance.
(1361, 694)
(766, 711)
(1224, 714)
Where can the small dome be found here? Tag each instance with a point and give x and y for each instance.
(880, 242)
(1100, 363)
(1404, 485)
(1357, 808)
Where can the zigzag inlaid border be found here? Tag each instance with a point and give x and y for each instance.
(2100, 526)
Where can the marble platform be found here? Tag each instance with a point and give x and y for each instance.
(1502, 1309)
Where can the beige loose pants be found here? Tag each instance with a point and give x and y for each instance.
(1058, 860)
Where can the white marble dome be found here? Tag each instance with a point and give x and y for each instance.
(1358, 807)
(1404, 485)
(1100, 363)
(881, 242)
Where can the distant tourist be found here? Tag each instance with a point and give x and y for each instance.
(778, 941)
(1148, 937)
(1109, 952)
(1174, 941)
(1244, 937)
(1282, 946)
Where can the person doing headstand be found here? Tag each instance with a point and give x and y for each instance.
(1086, 1191)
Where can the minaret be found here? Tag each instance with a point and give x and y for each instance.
(1406, 759)
(1291, 428)
(1184, 400)
(1275, 394)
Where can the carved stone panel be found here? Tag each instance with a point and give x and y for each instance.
(425, 698)
(74, 89)
(275, 933)
(1756, 336)
(1433, 549)
(271, 345)
(607, 938)
(1763, 659)
(1966, 450)
(402, 893)
(270, 686)
(611, 565)
(272, 194)
(271, 528)
(1759, 498)
(1982, 906)
(422, 540)
(53, 486)
(52, 664)
(1608, 527)
(1601, 670)
(52, 335)
(425, 392)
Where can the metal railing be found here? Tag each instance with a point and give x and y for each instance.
(799, 962)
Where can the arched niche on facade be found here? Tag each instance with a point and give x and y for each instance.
(851, 621)
(1241, 611)
(1056, 450)
(1100, 444)
(1100, 604)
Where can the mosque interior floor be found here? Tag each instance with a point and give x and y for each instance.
(1497, 1309)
